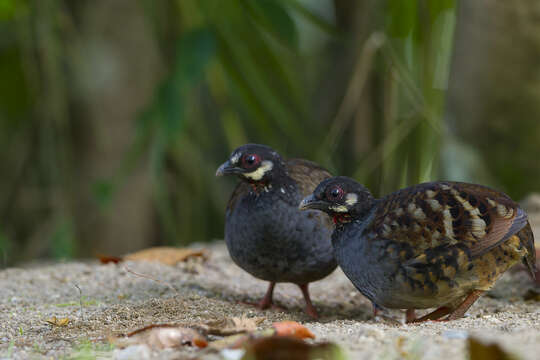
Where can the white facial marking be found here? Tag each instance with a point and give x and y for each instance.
(339, 208)
(282, 190)
(351, 199)
(235, 158)
(258, 174)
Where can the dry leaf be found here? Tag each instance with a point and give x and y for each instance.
(161, 336)
(233, 325)
(481, 351)
(292, 329)
(165, 255)
(239, 340)
(106, 259)
(58, 322)
(277, 347)
(289, 329)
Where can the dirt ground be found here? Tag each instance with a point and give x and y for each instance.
(115, 301)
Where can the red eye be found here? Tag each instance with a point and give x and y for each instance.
(250, 160)
(334, 193)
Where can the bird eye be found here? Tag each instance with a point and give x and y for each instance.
(250, 160)
(335, 193)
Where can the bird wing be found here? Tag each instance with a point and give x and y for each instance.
(306, 174)
(444, 214)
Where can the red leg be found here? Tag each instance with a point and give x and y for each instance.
(465, 305)
(434, 315)
(410, 316)
(310, 309)
(266, 301)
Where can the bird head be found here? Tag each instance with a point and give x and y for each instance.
(340, 197)
(252, 163)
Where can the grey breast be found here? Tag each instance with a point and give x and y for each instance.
(274, 241)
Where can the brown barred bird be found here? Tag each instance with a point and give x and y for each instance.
(265, 233)
(434, 245)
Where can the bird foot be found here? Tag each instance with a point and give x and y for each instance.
(312, 312)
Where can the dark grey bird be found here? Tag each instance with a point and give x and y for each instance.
(265, 232)
(434, 245)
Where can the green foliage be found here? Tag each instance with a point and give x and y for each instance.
(231, 72)
(63, 243)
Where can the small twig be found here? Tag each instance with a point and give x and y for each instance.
(80, 300)
(151, 278)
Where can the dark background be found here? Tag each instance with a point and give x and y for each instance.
(114, 115)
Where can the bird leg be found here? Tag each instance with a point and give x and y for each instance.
(310, 309)
(266, 301)
(434, 315)
(453, 314)
(465, 305)
(410, 316)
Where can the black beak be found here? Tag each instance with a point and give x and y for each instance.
(311, 202)
(226, 168)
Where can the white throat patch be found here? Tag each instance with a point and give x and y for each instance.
(339, 208)
(258, 174)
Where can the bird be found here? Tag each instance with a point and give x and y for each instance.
(434, 245)
(265, 232)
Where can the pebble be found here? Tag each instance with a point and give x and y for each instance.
(455, 334)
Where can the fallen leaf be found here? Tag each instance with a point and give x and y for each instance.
(58, 322)
(481, 351)
(231, 326)
(278, 347)
(292, 329)
(161, 336)
(239, 340)
(106, 259)
(289, 329)
(165, 255)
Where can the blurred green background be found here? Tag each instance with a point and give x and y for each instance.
(114, 115)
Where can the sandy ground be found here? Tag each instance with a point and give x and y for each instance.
(115, 301)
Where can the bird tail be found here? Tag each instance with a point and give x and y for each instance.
(526, 239)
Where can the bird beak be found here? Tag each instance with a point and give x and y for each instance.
(311, 202)
(226, 168)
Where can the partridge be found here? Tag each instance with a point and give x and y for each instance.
(265, 232)
(434, 245)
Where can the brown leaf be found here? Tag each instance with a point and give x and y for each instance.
(481, 351)
(292, 329)
(277, 347)
(165, 255)
(106, 259)
(58, 322)
(289, 329)
(162, 336)
(233, 325)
